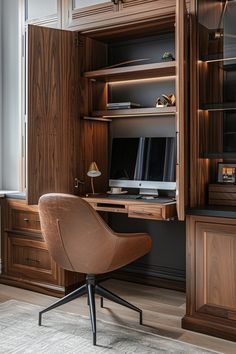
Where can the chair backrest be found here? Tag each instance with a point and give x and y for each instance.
(77, 237)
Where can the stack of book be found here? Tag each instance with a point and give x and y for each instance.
(122, 105)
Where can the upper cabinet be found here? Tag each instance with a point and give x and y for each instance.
(72, 79)
(46, 13)
(213, 97)
(95, 14)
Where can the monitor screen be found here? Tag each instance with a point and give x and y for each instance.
(143, 159)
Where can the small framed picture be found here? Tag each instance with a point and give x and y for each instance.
(226, 172)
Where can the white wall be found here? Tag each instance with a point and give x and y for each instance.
(10, 95)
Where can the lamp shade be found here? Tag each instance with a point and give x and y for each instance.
(93, 170)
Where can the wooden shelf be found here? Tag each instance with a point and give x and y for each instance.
(145, 71)
(219, 155)
(219, 107)
(135, 112)
(215, 58)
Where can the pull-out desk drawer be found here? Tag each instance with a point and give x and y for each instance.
(134, 208)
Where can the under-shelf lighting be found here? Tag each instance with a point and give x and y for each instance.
(216, 60)
(163, 78)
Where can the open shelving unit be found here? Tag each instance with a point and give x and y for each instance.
(163, 71)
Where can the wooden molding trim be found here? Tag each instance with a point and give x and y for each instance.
(210, 327)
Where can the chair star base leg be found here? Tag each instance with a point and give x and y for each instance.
(91, 288)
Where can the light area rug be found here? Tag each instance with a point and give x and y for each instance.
(66, 333)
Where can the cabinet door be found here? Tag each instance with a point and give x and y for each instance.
(29, 258)
(83, 14)
(55, 92)
(216, 269)
(45, 13)
(181, 106)
(60, 145)
(211, 276)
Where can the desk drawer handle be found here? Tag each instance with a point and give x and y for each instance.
(26, 220)
(32, 260)
(142, 213)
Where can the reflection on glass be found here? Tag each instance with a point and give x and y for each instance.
(80, 4)
(217, 29)
(35, 9)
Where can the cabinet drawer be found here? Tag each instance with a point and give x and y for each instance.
(30, 259)
(152, 211)
(25, 220)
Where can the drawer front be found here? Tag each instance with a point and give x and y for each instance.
(25, 220)
(30, 259)
(145, 212)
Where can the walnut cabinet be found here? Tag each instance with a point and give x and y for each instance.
(26, 260)
(68, 80)
(211, 276)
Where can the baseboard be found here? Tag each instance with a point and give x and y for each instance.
(47, 289)
(210, 327)
(137, 274)
(156, 271)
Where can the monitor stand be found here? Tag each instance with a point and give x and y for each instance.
(148, 191)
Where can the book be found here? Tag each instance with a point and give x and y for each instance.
(122, 105)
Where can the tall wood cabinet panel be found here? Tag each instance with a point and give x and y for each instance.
(53, 112)
(181, 106)
(211, 276)
(58, 97)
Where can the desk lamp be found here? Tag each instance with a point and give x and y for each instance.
(93, 172)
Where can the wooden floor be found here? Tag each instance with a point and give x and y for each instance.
(162, 311)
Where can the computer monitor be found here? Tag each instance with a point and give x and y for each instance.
(147, 163)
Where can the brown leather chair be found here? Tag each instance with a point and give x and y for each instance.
(80, 241)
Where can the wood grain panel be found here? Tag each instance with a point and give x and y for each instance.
(211, 276)
(95, 145)
(181, 107)
(133, 72)
(30, 258)
(216, 264)
(26, 261)
(53, 112)
(24, 220)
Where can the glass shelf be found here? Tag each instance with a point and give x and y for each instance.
(219, 107)
(218, 155)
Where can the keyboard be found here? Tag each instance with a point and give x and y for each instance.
(140, 198)
(124, 196)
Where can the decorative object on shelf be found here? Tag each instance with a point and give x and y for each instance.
(226, 172)
(168, 101)
(167, 56)
(159, 102)
(93, 171)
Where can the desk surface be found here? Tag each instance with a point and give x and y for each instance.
(155, 209)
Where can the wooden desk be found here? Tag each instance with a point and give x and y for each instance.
(142, 209)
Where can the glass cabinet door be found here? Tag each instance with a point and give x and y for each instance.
(43, 13)
(217, 76)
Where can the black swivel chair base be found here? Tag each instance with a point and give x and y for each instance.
(91, 288)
